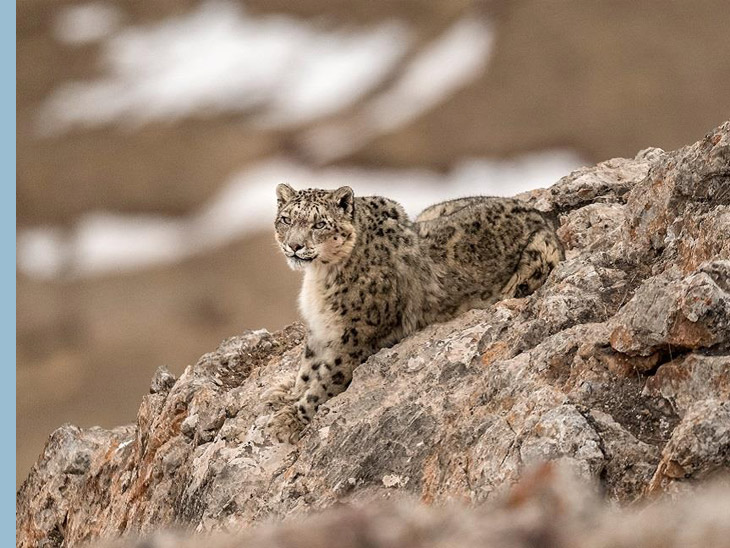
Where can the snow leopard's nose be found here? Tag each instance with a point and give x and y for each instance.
(296, 247)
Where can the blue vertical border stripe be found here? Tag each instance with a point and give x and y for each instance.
(7, 218)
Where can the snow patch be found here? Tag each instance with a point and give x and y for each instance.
(86, 23)
(217, 58)
(443, 67)
(41, 251)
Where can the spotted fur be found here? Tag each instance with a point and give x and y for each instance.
(372, 277)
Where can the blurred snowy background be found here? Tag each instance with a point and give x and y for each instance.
(151, 136)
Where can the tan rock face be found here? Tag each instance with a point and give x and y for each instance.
(673, 312)
(547, 508)
(617, 368)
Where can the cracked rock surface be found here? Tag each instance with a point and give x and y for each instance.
(616, 370)
(547, 508)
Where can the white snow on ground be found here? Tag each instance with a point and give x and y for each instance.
(217, 58)
(40, 251)
(103, 242)
(332, 73)
(280, 70)
(81, 24)
(456, 57)
(443, 67)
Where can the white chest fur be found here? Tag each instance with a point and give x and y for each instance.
(323, 323)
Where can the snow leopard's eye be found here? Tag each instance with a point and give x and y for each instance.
(286, 220)
(320, 225)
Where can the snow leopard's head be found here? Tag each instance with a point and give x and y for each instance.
(315, 227)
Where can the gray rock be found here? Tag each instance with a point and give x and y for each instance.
(699, 447)
(672, 314)
(162, 381)
(547, 508)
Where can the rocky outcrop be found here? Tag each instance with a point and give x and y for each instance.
(618, 369)
(547, 508)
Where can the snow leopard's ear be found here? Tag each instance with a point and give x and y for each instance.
(344, 197)
(284, 193)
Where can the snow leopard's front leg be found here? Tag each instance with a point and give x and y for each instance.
(325, 371)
